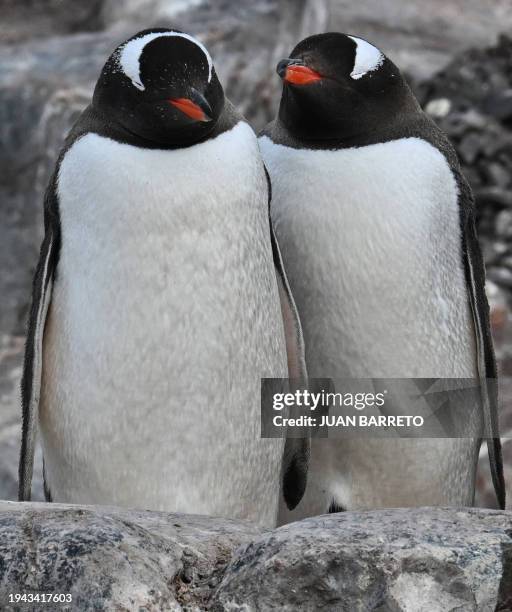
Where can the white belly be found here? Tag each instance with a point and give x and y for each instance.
(164, 316)
(371, 243)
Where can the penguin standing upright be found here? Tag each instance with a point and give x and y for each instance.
(377, 232)
(156, 305)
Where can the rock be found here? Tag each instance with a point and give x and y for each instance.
(110, 558)
(426, 559)
(496, 174)
(499, 105)
(494, 196)
(504, 224)
(474, 119)
(25, 19)
(421, 560)
(438, 108)
(501, 276)
(126, 13)
(469, 147)
(475, 78)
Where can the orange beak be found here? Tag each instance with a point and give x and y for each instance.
(301, 75)
(189, 108)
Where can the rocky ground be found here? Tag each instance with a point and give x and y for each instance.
(420, 560)
(51, 57)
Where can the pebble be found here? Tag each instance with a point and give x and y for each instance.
(501, 276)
(438, 108)
(503, 223)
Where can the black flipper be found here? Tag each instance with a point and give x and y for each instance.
(487, 371)
(297, 450)
(46, 488)
(475, 281)
(32, 367)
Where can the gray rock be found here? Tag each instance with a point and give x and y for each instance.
(438, 108)
(504, 224)
(418, 560)
(496, 174)
(499, 105)
(27, 19)
(470, 147)
(494, 197)
(501, 276)
(113, 559)
(127, 13)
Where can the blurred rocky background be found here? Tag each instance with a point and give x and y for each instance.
(51, 51)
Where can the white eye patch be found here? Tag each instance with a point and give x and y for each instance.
(368, 58)
(130, 53)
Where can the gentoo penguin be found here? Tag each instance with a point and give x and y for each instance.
(156, 305)
(376, 226)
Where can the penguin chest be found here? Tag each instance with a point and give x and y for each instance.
(371, 242)
(165, 310)
(165, 254)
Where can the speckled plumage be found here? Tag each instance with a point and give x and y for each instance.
(376, 227)
(160, 327)
(386, 216)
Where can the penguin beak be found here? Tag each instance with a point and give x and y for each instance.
(294, 71)
(196, 106)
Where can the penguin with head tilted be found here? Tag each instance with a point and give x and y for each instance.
(376, 226)
(156, 303)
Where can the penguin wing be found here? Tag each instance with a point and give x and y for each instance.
(32, 367)
(297, 450)
(486, 362)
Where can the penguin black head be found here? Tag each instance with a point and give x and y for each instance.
(161, 86)
(337, 86)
